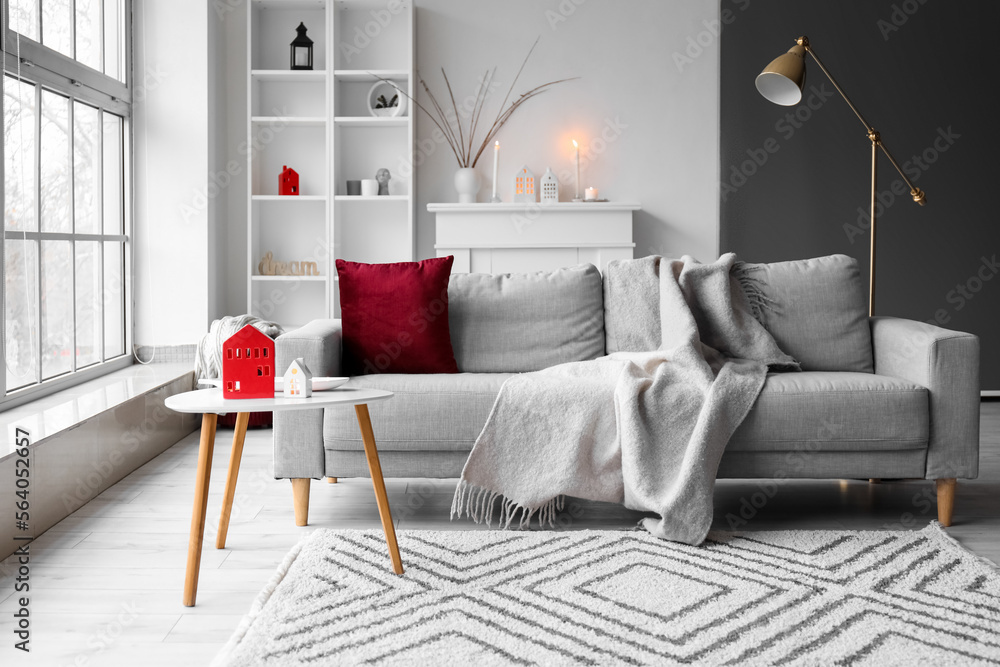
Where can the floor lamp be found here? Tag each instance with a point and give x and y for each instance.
(782, 81)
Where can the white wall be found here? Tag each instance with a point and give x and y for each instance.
(661, 117)
(664, 151)
(176, 280)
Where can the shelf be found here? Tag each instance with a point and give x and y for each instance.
(288, 278)
(299, 121)
(372, 121)
(288, 198)
(361, 75)
(289, 4)
(375, 198)
(290, 75)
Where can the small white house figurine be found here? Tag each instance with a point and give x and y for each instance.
(524, 186)
(298, 380)
(550, 187)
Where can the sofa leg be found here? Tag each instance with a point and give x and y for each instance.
(331, 480)
(874, 480)
(945, 500)
(300, 496)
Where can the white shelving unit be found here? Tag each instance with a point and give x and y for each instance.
(317, 122)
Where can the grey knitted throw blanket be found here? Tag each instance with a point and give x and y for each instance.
(646, 429)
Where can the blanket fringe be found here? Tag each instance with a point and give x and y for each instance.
(478, 504)
(753, 287)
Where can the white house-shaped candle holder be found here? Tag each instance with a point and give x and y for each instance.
(550, 187)
(298, 380)
(524, 186)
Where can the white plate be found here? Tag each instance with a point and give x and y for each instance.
(318, 384)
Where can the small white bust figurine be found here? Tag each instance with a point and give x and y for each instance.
(298, 380)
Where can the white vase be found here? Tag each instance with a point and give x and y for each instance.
(467, 184)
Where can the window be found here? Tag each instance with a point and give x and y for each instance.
(66, 244)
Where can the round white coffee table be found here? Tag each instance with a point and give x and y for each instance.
(210, 403)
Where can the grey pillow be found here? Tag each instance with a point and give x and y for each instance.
(517, 322)
(818, 312)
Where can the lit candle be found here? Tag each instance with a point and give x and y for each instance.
(576, 147)
(591, 194)
(496, 168)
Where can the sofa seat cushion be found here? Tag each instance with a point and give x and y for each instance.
(443, 412)
(827, 411)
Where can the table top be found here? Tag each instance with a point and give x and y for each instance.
(211, 400)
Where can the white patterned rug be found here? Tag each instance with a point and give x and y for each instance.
(604, 598)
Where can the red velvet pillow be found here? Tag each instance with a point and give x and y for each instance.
(395, 317)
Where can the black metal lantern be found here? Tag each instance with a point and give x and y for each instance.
(302, 49)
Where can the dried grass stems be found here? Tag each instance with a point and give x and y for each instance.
(460, 139)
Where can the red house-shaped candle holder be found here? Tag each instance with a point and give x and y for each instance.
(248, 365)
(288, 182)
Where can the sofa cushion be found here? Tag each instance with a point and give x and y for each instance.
(517, 322)
(395, 317)
(818, 312)
(428, 412)
(824, 411)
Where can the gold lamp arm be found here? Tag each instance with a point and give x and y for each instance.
(915, 192)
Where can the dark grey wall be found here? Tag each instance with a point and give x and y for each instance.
(925, 75)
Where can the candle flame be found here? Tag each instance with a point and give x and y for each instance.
(575, 145)
(497, 144)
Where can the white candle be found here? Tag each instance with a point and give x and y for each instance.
(576, 147)
(496, 168)
(591, 194)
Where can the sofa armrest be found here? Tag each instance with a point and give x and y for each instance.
(947, 363)
(318, 343)
(298, 434)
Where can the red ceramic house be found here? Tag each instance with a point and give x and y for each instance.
(248, 365)
(288, 182)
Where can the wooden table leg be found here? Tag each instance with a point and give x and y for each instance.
(375, 468)
(242, 419)
(200, 507)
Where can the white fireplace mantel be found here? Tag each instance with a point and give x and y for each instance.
(508, 238)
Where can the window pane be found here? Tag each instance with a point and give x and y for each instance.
(57, 23)
(113, 39)
(88, 304)
(86, 166)
(21, 282)
(88, 33)
(55, 167)
(113, 175)
(114, 300)
(24, 17)
(57, 308)
(19, 155)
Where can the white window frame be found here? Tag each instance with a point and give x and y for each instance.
(49, 69)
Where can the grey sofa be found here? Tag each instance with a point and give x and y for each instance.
(879, 398)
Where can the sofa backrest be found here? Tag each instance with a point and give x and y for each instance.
(519, 322)
(816, 309)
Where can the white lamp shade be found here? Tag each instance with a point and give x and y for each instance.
(782, 80)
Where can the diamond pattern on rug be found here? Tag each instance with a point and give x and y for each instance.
(591, 597)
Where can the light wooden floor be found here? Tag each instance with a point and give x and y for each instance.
(106, 582)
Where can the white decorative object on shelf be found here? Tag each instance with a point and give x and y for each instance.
(496, 170)
(550, 187)
(297, 381)
(385, 99)
(576, 149)
(524, 186)
(591, 194)
(467, 185)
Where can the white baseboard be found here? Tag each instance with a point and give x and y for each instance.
(990, 393)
